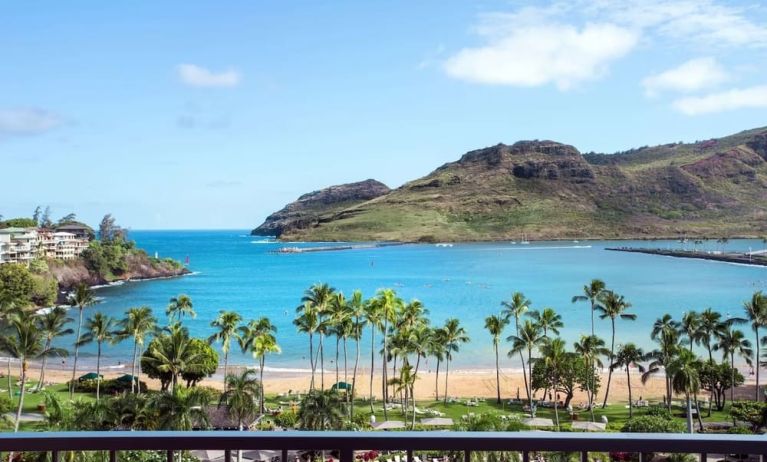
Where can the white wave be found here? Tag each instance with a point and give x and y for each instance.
(553, 247)
(264, 241)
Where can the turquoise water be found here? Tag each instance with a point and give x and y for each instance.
(234, 271)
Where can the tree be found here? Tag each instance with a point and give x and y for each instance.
(258, 338)
(574, 373)
(316, 298)
(591, 293)
(308, 322)
(733, 342)
(138, 323)
(591, 348)
(45, 220)
(206, 364)
(683, 371)
(495, 325)
(530, 336)
(241, 397)
(109, 231)
(357, 311)
(747, 411)
(52, 325)
(717, 379)
(690, 326)
(26, 343)
(180, 306)
(666, 333)
(36, 215)
(226, 324)
(320, 410)
(612, 306)
(629, 354)
(81, 298)
(547, 320)
(554, 357)
(515, 308)
(16, 285)
(182, 409)
(99, 329)
(436, 349)
(68, 218)
(172, 354)
(390, 305)
(756, 314)
(710, 328)
(454, 336)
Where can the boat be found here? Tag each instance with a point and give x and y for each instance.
(444, 244)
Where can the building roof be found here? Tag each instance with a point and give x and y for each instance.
(15, 230)
(74, 227)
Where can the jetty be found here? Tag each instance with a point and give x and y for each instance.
(758, 258)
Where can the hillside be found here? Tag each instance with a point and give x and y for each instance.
(549, 190)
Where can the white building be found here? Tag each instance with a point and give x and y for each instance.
(22, 245)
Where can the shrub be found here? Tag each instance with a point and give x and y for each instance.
(739, 431)
(659, 411)
(750, 412)
(653, 424)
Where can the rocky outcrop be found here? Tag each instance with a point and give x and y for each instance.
(310, 208)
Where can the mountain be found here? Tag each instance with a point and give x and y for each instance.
(549, 190)
(308, 211)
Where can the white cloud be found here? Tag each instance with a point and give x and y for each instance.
(27, 121)
(197, 76)
(693, 75)
(737, 98)
(541, 52)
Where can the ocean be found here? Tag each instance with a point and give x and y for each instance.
(235, 271)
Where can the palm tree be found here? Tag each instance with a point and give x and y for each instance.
(226, 323)
(690, 326)
(683, 371)
(81, 298)
(137, 323)
(390, 306)
(180, 306)
(339, 319)
(357, 312)
(733, 342)
(455, 335)
(591, 294)
(554, 356)
(756, 314)
(318, 297)
(612, 306)
(320, 410)
(591, 348)
(515, 308)
(182, 409)
(709, 329)
(666, 333)
(530, 337)
(629, 354)
(495, 325)
(258, 338)
(373, 316)
(308, 322)
(52, 325)
(241, 397)
(99, 329)
(172, 354)
(418, 338)
(436, 349)
(548, 320)
(25, 342)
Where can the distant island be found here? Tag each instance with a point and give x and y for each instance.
(549, 190)
(48, 259)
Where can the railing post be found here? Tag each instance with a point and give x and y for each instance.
(112, 455)
(641, 457)
(410, 455)
(228, 455)
(169, 456)
(347, 455)
(703, 457)
(584, 456)
(466, 455)
(284, 455)
(525, 456)
(54, 456)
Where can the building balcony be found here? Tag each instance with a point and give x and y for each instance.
(407, 446)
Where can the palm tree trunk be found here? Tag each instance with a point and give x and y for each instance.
(689, 414)
(226, 366)
(346, 378)
(592, 318)
(338, 340)
(556, 405)
(524, 376)
(711, 360)
(631, 400)
(447, 373)
(588, 393)
(697, 413)
(530, 395)
(497, 375)
(354, 374)
(322, 364)
(412, 388)
(436, 382)
(138, 375)
(133, 367)
(757, 398)
(311, 360)
(384, 358)
(10, 383)
(610, 372)
(21, 394)
(372, 362)
(732, 387)
(98, 371)
(42, 366)
(77, 351)
(262, 362)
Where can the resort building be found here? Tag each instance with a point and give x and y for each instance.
(22, 245)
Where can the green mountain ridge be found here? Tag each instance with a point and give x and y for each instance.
(548, 190)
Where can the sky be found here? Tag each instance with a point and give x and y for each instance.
(213, 114)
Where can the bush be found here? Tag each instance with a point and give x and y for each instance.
(108, 387)
(286, 419)
(659, 411)
(739, 431)
(750, 412)
(653, 424)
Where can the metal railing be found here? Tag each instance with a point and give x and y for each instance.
(346, 443)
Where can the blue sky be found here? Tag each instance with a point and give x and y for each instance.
(213, 114)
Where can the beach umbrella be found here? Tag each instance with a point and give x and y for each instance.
(589, 426)
(127, 378)
(537, 422)
(388, 425)
(261, 455)
(341, 386)
(438, 422)
(90, 376)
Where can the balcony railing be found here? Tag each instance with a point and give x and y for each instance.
(411, 443)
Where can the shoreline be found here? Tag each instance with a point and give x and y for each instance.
(725, 257)
(278, 240)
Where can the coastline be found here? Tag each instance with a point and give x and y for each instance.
(726, 257)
